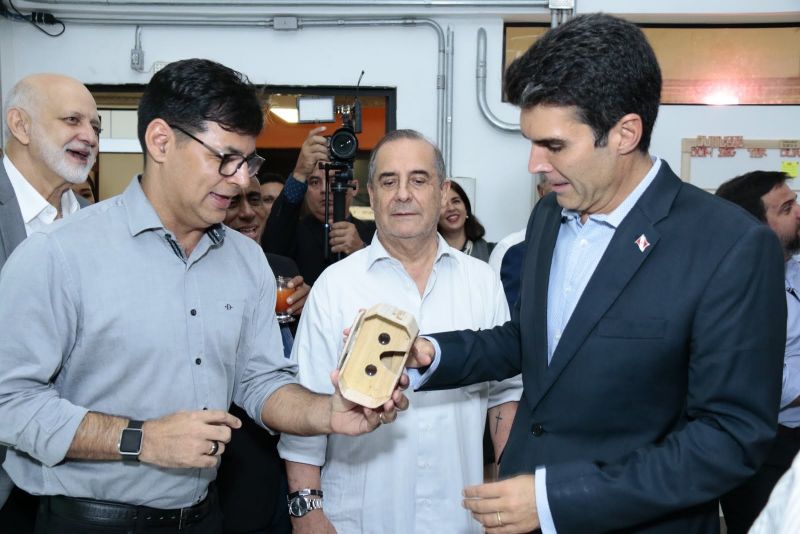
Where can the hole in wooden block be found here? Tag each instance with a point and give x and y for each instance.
(384, 338)
(371, 370)
(392, 360)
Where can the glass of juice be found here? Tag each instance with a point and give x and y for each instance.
(284, 292)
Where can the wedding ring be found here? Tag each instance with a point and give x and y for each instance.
(499, 519)
(380, 417)
(214, 448)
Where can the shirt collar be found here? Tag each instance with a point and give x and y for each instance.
(31, 203)
(377, 252)
(614, 218)
(143, 217)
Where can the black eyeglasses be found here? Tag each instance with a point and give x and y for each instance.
(229, 164)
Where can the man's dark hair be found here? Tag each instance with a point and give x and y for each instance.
(472, 226)
(600, 64)
(746, 190)
(191, 92)
(267, 177)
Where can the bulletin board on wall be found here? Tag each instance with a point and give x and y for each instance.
(708, 160)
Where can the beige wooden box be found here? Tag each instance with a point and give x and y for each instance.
(375, 353)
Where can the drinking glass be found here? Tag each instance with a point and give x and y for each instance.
(284, 292)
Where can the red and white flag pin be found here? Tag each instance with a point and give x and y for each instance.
(642, 243)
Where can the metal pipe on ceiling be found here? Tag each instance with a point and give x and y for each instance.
(448, 113)
(297, 3)
(442, 137)
(211, 13)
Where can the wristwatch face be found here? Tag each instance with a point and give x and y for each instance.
(130, 443)
(298, 506)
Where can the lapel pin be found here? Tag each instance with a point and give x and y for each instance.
(642, 243)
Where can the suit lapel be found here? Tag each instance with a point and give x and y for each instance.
(620, 262)
(12, 227)
(541, 240)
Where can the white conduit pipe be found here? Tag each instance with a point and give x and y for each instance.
(58, 5)
(480, 85)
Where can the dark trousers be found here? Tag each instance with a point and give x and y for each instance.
(742, 505)
(48, 521)
(18, 514)
(251, 482)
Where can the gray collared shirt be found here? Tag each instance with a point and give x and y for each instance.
(100, 312)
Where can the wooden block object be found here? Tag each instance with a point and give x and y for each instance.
(375, 353)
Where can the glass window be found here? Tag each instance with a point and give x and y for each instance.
(705, 64)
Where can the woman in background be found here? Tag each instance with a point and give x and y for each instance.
(460, 228)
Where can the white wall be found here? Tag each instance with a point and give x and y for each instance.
(401, 57)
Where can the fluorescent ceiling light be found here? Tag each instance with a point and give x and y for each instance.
(285, 114)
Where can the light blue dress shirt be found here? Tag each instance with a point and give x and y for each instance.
(101, 311)
(790, 415)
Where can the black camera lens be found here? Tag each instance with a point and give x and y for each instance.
(343, 145)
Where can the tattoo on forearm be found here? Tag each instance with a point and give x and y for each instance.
(498, 418)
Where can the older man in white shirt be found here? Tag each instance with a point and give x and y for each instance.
(407, 477)
(52, 128)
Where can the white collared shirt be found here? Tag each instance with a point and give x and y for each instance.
(407, 476)
(37, 212)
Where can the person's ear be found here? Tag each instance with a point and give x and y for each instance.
(19, 124)
(159, 139)
(628, 132)
(445, 191)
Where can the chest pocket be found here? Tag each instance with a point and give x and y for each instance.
(223, 324)
(631, 328)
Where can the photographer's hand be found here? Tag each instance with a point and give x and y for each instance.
(314, 150)
(344, 238)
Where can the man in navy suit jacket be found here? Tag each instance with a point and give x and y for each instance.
(648, 313)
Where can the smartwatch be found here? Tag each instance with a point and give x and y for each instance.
(130, 441)
(303, 501)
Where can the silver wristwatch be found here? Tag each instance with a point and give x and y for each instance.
(303, 501)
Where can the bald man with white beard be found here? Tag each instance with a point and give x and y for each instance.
(52, 133)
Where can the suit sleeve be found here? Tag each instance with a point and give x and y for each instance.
(734, 362)
(469, 357)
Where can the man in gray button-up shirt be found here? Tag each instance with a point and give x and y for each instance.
(143, 308)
